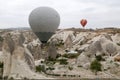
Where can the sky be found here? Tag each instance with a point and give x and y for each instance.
(99, 13)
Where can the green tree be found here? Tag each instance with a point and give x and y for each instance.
(95, 66)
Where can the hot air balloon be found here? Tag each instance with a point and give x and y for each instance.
(44, 21)
(83, 22)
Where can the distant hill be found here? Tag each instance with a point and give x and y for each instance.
(20, 28)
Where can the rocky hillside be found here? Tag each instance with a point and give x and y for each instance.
(90, 45)
(69, 53)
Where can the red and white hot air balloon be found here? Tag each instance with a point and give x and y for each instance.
(83, 22)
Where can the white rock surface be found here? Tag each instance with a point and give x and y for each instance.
(18, 61)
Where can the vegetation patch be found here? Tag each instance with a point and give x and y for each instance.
(118, 44)
(64, 75)
(58, 55)
(50, 68)
(99, 58)
(63, 61)
(61, 43)
(40, 68)
(70, 68)
(1, 39)
(51, 59)
(79, 66)
(95, 66)
(1, 65)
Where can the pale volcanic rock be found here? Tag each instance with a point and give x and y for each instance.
(82, 59)
(116, 38)
(68, 42)
(35, 48)
(18, 61)
(21, 50)
(62, 35)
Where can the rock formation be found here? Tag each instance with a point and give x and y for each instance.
(35, 48)
(19, 52)
(68, 42)
(18, 61)
(51, 52)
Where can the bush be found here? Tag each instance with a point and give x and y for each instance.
(40, 68)
(63, 61)
(25, 78)
(95, 66)
(50, 68)
(64, 75)
(56, 74)
(42, 61)
(11, 78)
(5, 77)
(79, 66)
(49, 63)
(118, 44)
(70, 68)
(1, 65)
(1, 39)
(58, 55)
(99, 57)
(51, 59)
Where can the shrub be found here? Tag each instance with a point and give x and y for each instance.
(79, 66)
(1, 39)
(50, 62)
(63, 61)
(111, 61)
(118, 44)
(56, 74)
(40, 68)
(70, 68)
(50, 68)
(42, 61)
(99, 57)
(1, 77)
(65, 55)
(95, 66)
(11, 78)
(5, 77)
(50, 59)
(1, 65)
(58, 55)
(66, 50)
(25, 78)
(64, 75)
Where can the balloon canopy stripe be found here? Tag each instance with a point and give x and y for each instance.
(44, 36)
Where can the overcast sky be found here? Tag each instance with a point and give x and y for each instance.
(99, 13)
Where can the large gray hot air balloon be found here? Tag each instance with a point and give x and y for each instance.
(44, 21)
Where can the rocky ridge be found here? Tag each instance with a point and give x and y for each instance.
(21, 52)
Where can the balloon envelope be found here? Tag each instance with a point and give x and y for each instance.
(44, 21)
(83, 22)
